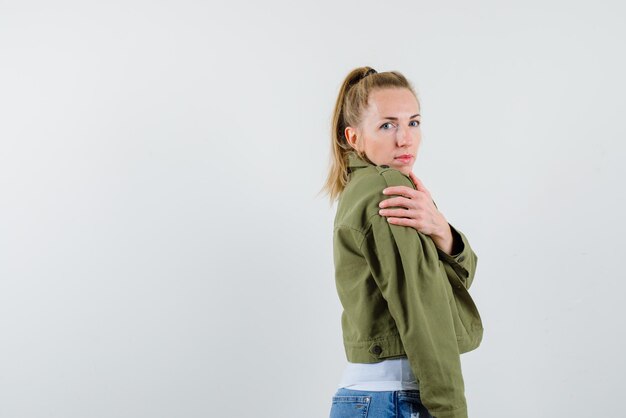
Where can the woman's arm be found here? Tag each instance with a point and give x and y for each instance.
(417, 209)
(416, 293)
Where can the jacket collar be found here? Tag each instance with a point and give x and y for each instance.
(354, 161)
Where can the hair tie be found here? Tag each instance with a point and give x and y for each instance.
(370, 71)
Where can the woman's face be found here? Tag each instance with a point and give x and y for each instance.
(389, 133)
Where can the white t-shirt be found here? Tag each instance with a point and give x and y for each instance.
(390, 374)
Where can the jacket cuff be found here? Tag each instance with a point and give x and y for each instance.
(461, 258)
(457, 413)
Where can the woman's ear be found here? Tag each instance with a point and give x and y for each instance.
(351, 136)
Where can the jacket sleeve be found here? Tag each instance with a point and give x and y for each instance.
(415, 291)
(463, 263)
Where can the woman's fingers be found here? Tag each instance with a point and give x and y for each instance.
(398, 213)
(412, 207)
(407, 202)
(404, 222)
(400, 190)
(398, 201)
(408, 191)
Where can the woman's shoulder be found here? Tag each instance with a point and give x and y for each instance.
(369, 182)
(361, 196)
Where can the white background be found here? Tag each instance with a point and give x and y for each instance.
(164, 251)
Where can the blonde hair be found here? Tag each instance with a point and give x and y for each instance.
(349, 107)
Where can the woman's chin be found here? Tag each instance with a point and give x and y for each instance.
(404, 169)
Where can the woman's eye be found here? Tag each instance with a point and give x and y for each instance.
(417, 122)
(385, 124)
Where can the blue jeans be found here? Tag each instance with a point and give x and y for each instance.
(349, 403)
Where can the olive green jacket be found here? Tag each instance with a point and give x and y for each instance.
(402, 295)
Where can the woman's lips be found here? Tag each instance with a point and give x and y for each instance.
(404, 159)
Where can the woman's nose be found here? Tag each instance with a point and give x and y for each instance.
(404, 137)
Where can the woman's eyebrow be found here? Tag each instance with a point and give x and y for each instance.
(392, 118)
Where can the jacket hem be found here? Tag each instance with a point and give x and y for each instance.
(374, 350)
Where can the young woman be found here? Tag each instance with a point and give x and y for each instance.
(401, 270)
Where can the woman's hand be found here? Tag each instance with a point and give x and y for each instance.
(418, 211)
